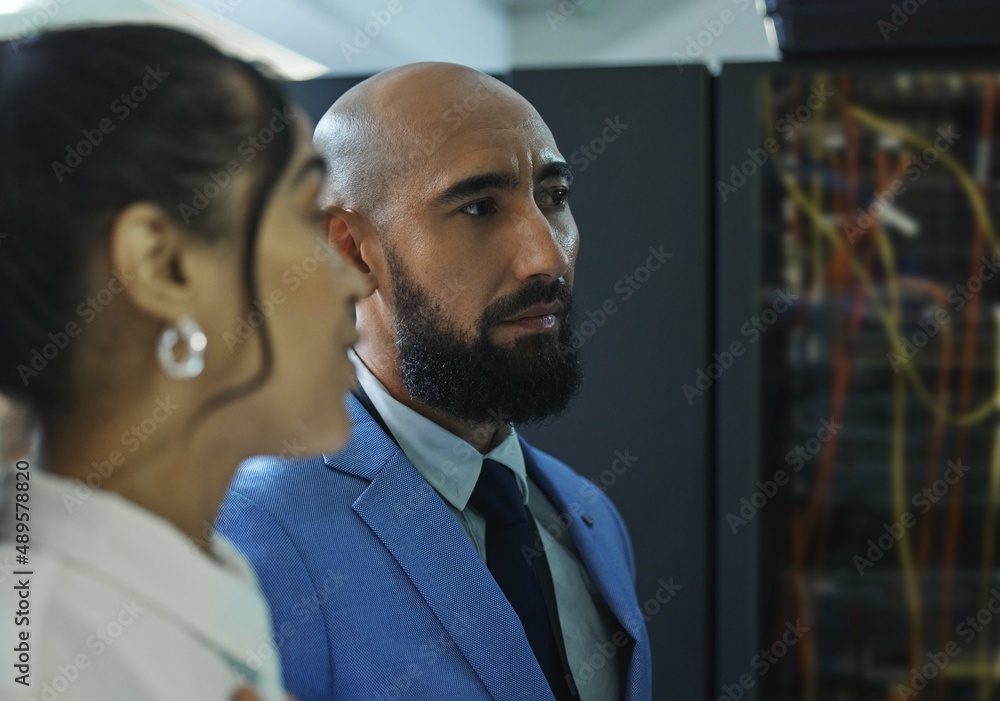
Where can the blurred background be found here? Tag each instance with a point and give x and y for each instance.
(307, 38)
(787, 298)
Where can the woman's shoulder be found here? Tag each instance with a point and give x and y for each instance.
(83, 636)
(56, 613)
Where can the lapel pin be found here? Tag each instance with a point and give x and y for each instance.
(588, 519)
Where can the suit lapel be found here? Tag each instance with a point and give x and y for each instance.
(423, 536)
(593, 543)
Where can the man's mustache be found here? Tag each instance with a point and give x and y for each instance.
(536, 293)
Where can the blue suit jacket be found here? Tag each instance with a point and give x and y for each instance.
(377, 594)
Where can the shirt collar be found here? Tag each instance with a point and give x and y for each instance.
(448, 463)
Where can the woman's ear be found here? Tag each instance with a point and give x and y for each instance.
(147, 249)
(351, 234)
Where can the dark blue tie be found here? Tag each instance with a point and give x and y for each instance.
(509, 547)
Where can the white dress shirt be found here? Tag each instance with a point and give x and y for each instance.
(123, 606)
(452, 467)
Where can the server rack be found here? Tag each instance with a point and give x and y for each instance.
(857, 437)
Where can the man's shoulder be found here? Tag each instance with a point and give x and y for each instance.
(581, 498)
(281, 485)
(548, 463)
(304, 479)
(577, 491)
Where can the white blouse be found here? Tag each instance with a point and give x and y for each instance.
(118, 604)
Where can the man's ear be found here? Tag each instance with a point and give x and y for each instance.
(148, 253)
(347, 230)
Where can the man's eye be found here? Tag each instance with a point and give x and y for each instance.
(479, 209)
(554, 198)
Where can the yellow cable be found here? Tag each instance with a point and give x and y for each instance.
(898, 471)
(988, 680)
(889, 318)
(965, 179)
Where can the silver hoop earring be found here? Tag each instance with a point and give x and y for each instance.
(187, 332)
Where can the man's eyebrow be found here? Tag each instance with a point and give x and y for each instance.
(314, 163)
(475, 184)
(556, 169)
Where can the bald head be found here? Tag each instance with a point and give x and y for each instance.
(389, 125)
(472, 254)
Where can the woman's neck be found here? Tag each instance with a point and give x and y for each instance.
(160, 467)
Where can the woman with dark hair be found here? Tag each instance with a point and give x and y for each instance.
(169, 308)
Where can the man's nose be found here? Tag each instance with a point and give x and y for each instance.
(541, 249)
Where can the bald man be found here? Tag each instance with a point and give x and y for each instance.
(440, 556)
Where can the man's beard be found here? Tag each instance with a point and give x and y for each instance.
(479, 381)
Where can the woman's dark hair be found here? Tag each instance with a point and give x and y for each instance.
(92, 120)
